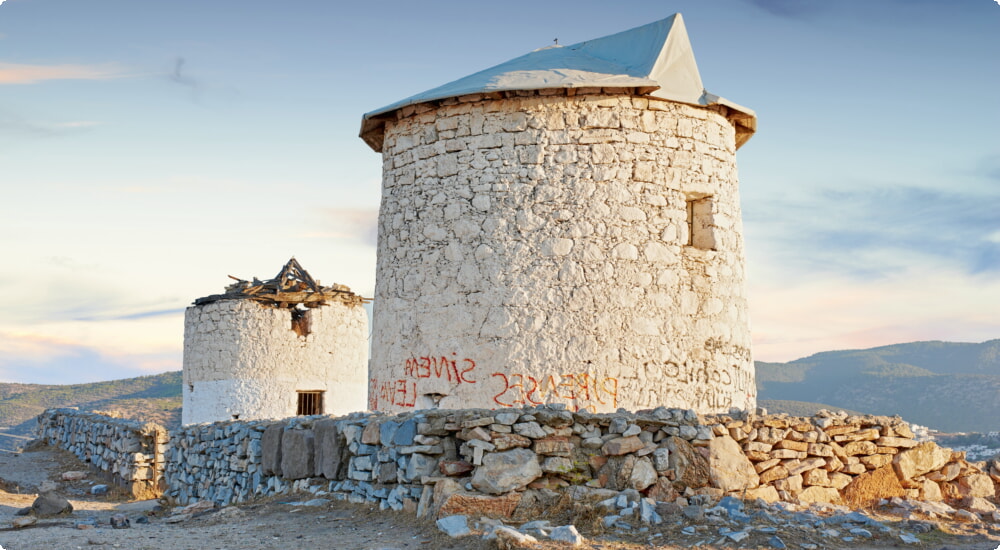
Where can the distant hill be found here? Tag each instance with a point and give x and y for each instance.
(155, 398)
(947, 386)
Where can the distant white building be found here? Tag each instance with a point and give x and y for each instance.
(274, 349)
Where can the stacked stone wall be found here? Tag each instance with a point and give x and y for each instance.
(533, 248)
(129, 453)
(506, 461)
(499, 462)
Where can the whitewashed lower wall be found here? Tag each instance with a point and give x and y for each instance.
(243, 360)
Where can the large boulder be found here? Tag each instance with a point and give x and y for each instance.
(873, 486)
(628, 472)
(506, 471)
(50, 504)
(728, 468)
(330, 447)
(689, 466)
(271, 449)
(297, 454)
(924, 458)
(976, 485)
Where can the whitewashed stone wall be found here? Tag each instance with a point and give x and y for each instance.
(533, 249)
(242, 359)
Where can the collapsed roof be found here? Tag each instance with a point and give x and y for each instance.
(291, 287)
(655, 59)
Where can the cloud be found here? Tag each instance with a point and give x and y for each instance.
(16, 125)
(359, 224)
(793, 318)
(199, 87)
(875, 232)
(92, 350)
(133, 316)
(861, 266)
(16, 73)
(64, 289)
(34, 359)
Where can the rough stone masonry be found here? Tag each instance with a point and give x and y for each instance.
(489, 462)
(579, 246)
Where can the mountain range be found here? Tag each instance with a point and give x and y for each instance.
(947, 386)
(155, 398)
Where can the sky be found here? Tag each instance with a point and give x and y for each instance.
(150, 149)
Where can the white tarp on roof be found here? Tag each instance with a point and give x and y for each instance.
(656, 58)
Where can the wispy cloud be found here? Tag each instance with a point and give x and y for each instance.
(360, 224)
(874, 232)
(34, 359)
(16, 125)
(199, 87)
(65, 293)
(16, 73)
(796, 317)
(866, 265)
(135, 315)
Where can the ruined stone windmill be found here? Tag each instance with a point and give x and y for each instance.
(273, 349)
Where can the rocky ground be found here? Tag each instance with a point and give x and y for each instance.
(319, 521)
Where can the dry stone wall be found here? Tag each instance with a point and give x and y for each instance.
(533, 248)
(504, 462)
(500, 462)
(130, 454)
(244, 360)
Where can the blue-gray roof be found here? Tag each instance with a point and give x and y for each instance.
(656, 59)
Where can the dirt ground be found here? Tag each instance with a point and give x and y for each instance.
(278, 523)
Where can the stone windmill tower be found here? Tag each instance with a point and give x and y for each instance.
(564, 228)
(272, 349)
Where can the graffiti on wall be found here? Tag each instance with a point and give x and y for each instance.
(456, 371)
(402, 392)
(699, 384)
(399, 393)
(704, 385)
(584, 390)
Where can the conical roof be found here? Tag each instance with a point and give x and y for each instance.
(655, 58)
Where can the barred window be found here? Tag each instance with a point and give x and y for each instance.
(310, 402)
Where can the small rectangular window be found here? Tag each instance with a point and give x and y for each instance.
(310, 402)
(701, 223)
